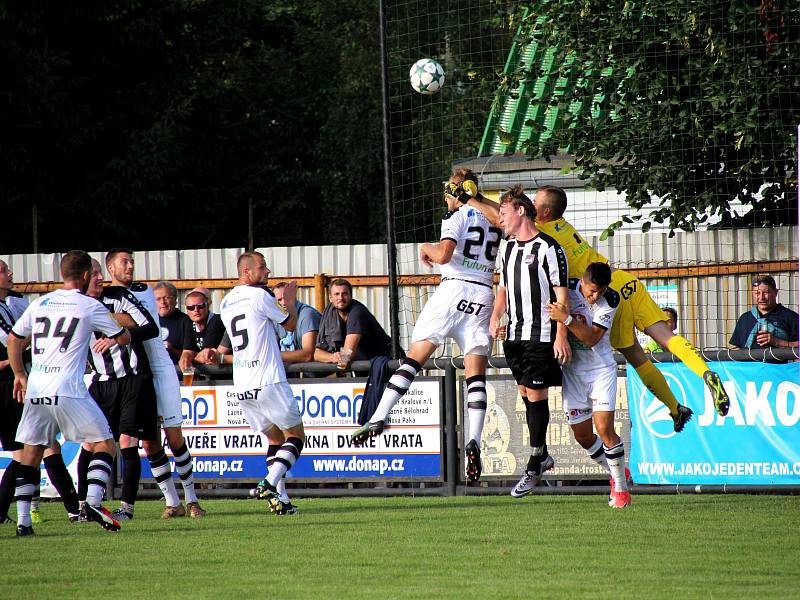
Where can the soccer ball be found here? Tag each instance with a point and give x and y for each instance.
(427, 76)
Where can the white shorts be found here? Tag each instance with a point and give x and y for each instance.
(168, 398)
(79, 419)
(586, 391)
(273, 404)
(459, 310)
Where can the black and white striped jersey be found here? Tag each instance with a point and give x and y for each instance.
(11, 309)
(119, 361)
(529, 270)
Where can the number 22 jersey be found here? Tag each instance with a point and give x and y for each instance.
(247, 312)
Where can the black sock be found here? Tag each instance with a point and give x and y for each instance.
(131, 474)
(538, 416)
(8, 487)
(57, 471)
(84, 458)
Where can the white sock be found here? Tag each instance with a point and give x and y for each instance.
(476, 406)
(596, 453)
(397, 387)
(616, 464)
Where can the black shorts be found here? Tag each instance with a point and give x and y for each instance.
(10, 414)
(533, 364)
(129, 405)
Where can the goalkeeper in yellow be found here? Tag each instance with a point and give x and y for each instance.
(637, 308)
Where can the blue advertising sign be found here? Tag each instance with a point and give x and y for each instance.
(756, 443)
(223, 446)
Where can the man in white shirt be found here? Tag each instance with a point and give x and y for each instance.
(60, 326)
(590, 379)
(259, 377)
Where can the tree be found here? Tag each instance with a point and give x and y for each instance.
(688, 104)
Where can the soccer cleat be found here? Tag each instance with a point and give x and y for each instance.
(257, 491)
(36, 516)
(24, 530)
(366, 431)
(100, 515)
(721, 401)
(171, 512)
(271, 495)
(628, 479)
(473, 461)
(619, 499)
(289, 508)
(194, 510)
(122, 515)
(74, 517)
(5, 520)
(530, 479)
(682, 418)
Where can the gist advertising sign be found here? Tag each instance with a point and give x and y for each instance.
(223, 446)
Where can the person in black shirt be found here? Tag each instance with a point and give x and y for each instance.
(346, 323)
(207, 331)
(176, 326)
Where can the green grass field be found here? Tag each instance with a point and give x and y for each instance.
(705, 546)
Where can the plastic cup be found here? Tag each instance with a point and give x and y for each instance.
(188, 376)
(345, 354)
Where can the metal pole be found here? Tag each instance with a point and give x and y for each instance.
(450, 436)
(394, 320)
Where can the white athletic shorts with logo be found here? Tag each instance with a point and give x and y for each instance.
(586, 391)
(78, 419)
(168, 398)
(459, 310)
(273, 404)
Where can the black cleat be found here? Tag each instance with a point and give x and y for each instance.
(472, 454)
(24, 530)
(366, 431)
(100, 515)
(721, 401)
(273, 498)
(684, 416)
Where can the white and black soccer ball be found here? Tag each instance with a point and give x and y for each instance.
(427, 76)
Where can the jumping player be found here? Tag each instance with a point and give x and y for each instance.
(460, 308)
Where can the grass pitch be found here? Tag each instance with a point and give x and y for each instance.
(705, 546)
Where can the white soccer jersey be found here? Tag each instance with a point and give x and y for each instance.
(601, 314)
(61, 324)
(476, 245)
(247, 312)
(529, 270)
(157, 355)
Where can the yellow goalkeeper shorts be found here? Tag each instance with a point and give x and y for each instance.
(636, 309)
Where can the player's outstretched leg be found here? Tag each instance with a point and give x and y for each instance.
(183, 464)
(620, 493)
(285, 458)
(97, 479)
(27, 478)
(397, 387)
(162, 473)
(62, 481)
(476, 409)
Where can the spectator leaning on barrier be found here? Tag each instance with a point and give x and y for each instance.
(297, 346)
(346, 323)
(176, 326)
(768, 323)
(207, 329)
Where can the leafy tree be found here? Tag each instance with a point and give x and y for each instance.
(692, 104)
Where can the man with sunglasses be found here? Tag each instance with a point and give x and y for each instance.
(768, 323)
(207, 329)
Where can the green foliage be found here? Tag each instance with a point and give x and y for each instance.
(693, 104)
(663, 546)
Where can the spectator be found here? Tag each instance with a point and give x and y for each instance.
(207, 293)
(176, 327)
(207, 330)
(298, 345)
(654, 346)
(768, 323)
(346, 323)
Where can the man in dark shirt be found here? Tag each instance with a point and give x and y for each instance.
(207, 331)
(768, 323)
(346, 323)
(176, 327)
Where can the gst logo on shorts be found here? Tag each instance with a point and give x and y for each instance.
(628, 289)
(201, 409)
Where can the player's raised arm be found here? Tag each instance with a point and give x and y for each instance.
(439, 253)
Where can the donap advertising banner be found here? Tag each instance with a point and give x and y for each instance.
(756, 443)
(223, 446)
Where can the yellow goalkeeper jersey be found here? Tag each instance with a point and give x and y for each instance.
(579, 253)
